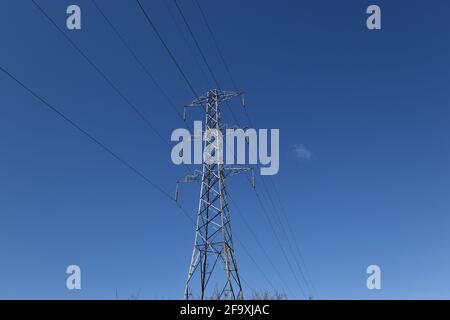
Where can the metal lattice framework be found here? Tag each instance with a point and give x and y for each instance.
(213, 247)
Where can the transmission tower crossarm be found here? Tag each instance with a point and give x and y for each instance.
(222, 95)
(232, 171)
(193, 177)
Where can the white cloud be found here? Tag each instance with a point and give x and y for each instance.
(302, 152)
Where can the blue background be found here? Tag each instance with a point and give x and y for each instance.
(371, 106)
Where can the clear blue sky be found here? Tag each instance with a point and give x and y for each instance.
(372, 108)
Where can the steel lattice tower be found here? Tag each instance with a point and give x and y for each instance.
(213, 247)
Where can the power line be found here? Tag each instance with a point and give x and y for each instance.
(266, 214)
(277, 238)
(269, 200)
(103, 75)
(256, 264)
(112, 153)
(234, 83)
(197, 45)
(216, 44)
(170, 52)
(248, 226)
(222, 57)
(203, 57)
(138, 60)
(111, 84)
(163, 42)
(116, 88)
(92, 138)
(284, 232)
(267, 196)
(174, 60)
(283, 210)
(87, 134)
(188, 45)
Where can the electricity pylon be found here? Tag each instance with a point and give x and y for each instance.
(213, 246)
